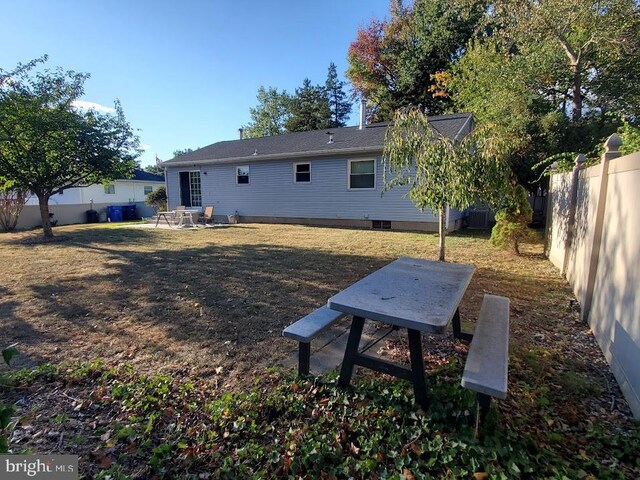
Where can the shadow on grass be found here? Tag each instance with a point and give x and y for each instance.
(200, 306)
(206, 305)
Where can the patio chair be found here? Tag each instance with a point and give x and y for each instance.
(207, 215)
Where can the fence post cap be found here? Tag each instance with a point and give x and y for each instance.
(613, 143)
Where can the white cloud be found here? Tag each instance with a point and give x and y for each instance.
(92, 105)
(144, 146)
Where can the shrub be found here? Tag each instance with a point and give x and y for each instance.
(12, 201)
(157, 199)
(512, 222)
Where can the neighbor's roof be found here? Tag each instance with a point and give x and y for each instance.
(308, 144)
(142, 176)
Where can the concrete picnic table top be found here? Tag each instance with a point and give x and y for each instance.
(409, 292)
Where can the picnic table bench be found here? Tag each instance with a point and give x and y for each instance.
(306, 329)
(486, 367)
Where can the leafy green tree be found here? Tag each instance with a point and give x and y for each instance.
(156, 170)
(339, 104)
(181, 151)
(630, 138)
(442, 172)
(512, 222)
(584, 54)
(493, 84)
(48, 145)
(157, 199)
(270, 115)
(309, 109)
(392, 63)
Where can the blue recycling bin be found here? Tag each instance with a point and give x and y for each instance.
(115, 213)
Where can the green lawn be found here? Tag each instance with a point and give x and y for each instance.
(204, 309)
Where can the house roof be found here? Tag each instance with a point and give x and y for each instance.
(307, 144)
(142, 176)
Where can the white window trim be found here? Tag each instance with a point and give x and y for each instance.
(248, 176)
(109, 187)
(295, 164)
(190, 192)
(375, 174)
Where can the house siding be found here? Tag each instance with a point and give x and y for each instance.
(272, 192)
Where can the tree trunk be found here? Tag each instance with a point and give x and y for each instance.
(43, 201)
(576, 103)
(442, 230)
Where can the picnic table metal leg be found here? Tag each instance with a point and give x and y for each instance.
(158, 220)
(351, 351)
(417, 368)
(457, 330)
(304, 358)
(484, 401)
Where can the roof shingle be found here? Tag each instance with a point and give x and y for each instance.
(369, 139)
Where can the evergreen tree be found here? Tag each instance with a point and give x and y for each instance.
(309, 109)
(339, 105)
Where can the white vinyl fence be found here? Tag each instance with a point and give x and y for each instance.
(593, 237)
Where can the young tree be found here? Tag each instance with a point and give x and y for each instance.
(48, 145)
(309, 109)
(270, 115)
(339, 104)
(512, 222)
(442, 172)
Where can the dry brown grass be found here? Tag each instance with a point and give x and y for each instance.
(167, 300)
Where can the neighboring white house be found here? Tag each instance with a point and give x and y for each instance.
(119, 192)
(71, 205)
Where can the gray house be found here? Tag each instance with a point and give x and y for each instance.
(322, 177)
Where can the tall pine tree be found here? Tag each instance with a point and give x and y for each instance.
(309, 109)
(339, 105)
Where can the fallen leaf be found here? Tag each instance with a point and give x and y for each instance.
(105, 462)
(407, 473)
(481, 475)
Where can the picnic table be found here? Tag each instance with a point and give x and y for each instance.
(166, 218)
(419, 295)
(180, 215)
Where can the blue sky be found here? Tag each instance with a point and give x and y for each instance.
(186, 72)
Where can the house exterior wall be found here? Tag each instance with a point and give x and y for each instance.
(126, 191)
(272, 193)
